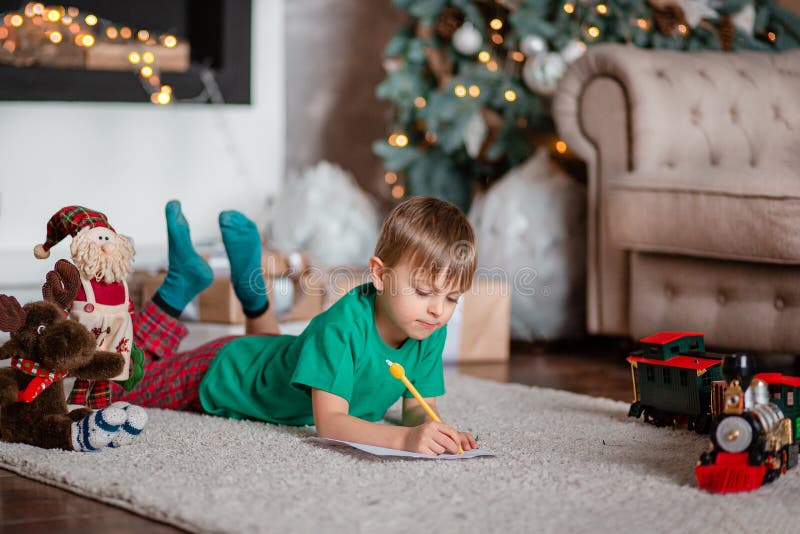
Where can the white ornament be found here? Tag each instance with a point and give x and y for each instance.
(696, 10)
(531, 230)
(542, 73)
(392, 64)
(467, 39)
(745, 19)
(574, 50)
(475, 134)
(531, 45)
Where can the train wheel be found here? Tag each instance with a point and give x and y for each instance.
(703, 424)
(771, 475)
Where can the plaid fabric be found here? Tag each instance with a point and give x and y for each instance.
(174, 383)
(69, 220)
(171, 380)
(94, 394)
(157, 333)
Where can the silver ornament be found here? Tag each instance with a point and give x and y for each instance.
(574, 50)
(542, 73)
(531, 45)
(467, 40)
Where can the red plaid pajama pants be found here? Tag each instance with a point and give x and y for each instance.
(171, 380)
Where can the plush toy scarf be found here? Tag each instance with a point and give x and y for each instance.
(42, 378)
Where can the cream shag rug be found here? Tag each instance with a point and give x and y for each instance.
(565, 462)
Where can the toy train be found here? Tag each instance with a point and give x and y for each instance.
(754, 420)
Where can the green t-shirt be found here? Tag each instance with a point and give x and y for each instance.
(269, 378)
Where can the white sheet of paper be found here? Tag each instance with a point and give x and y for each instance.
(383, 451)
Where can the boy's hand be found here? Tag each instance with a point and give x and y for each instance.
(467, 442)
(436, 438)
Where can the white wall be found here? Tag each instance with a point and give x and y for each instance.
(127, 160)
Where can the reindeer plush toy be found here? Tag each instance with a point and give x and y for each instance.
(46, 346)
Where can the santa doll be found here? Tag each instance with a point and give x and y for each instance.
(104, 259)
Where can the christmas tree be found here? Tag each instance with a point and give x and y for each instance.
(471, 80)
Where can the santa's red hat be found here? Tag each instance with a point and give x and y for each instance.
(69, 221)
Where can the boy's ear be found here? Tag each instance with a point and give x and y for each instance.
(376, 270)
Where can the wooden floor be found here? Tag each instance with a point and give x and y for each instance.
(593, 367)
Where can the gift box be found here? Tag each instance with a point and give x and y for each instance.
(480, 329)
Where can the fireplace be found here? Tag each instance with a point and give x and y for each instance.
(208, 60)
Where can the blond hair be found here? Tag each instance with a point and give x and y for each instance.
(432, 236)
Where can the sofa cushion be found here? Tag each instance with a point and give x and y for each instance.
(749, 215)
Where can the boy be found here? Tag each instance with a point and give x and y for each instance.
(334, 374)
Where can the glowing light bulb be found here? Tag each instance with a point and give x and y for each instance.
(10, 46)
(561, 146)
(430, 137)
(74, 28)
(125, 32)
(3, 32)
(29, 10)
(91, 20)
(460, 91)
(420, 102)
(771, 36)
(38, 8)
(594, 32)
(402, 140)
(496, 24)
(87, 41)
(166, 89)
(517, 56)
(16, 20)
(510, 95)
(643, 24)
(56, 37)
(164, 98)
(390, 177)
(111, 32)
(170, 41)
(146, 72)
(53, 15)
(602, 9)
(569, 9)
(143, 35)
(682, 29)
(134, 58)
(474, 91)
(484, 56)
(398, 191)
(66, 20)
(497, 39)
(492, 66)
(392, 139)
(148, 57)
(73, 12)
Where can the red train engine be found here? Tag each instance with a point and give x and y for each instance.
(754, 438)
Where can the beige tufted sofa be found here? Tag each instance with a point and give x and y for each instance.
(694, 191)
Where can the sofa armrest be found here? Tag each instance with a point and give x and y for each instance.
(591, 113)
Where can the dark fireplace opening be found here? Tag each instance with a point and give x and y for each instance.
(213, 65)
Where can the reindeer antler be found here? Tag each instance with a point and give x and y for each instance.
(62, 284)
(12, 317)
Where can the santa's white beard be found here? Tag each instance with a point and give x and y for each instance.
(93, 262)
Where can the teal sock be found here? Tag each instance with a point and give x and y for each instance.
(188, 272)
(243, 245)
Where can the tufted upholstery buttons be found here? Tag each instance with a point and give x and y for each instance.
(780, 304)
(734, 114)
(722, 299)
(753, 162)
(661, 74)
(669, 291)
(714, 159)
(696, 115)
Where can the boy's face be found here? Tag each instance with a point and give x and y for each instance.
(408, 305)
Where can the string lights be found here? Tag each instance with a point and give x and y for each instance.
(25, 34)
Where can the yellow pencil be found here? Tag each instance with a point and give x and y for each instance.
(399, 373)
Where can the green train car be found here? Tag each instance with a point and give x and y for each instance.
(672, 380)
